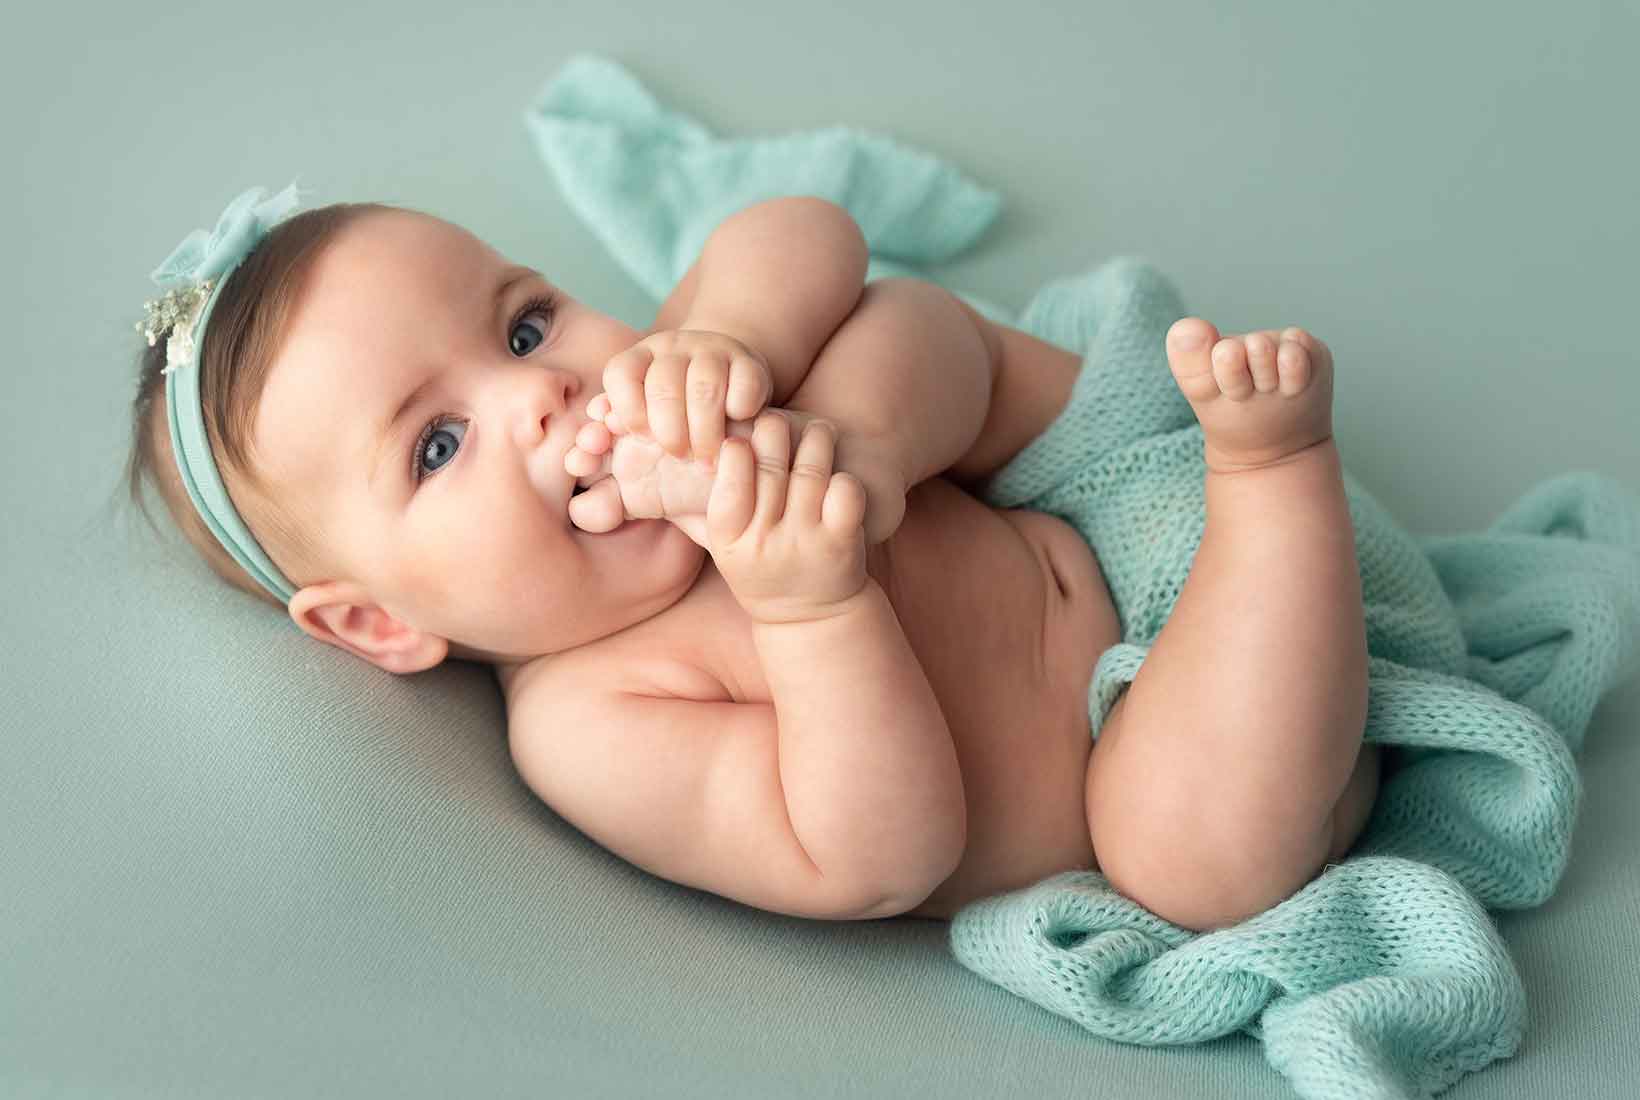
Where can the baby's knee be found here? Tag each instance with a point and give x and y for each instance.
(1160, 841)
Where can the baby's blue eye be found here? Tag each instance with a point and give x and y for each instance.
(434, 449)
(522, 347)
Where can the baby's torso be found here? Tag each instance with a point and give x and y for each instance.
(1007, 613)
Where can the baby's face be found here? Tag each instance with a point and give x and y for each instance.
(450, 513)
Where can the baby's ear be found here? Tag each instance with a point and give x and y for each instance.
(340, 613)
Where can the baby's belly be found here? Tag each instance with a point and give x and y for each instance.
(1008, 613)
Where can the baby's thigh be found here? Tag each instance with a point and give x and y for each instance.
(1355, 804)
(905, 352)
(1156, 844)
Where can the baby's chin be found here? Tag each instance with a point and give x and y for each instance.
(640, 538)
(650, 562)
(638, 571)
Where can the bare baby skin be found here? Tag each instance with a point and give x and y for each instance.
(814, 673)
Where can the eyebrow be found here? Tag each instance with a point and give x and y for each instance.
(387, 431)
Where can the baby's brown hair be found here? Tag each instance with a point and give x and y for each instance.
(247, 325)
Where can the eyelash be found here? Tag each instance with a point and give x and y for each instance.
(546, 305)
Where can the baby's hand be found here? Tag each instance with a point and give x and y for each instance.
(785, 531)
(681, 386)
(631, 477)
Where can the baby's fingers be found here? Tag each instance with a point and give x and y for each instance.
(623, 384)
(708, 377)
(844, 509)
(729, 508)
(811, 472)
(750, 387)
(771, 447)
(665, 389)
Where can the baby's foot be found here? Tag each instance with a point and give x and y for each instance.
(630, 476)
(1259, 397)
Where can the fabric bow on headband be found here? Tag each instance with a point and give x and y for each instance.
(193, 275)
(195, 266)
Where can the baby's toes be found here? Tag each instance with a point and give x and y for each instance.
(602, 410)
(1320, 353)
(1261, 360)
(1230, 368)
(1296, 367)
(579, 463)
(594, 438)
(1189, 343)
(589, 454)
(598, 510)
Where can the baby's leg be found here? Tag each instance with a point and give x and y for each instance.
(1215, 781)
(906, 380)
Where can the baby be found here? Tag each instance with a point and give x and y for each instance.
(774, 650)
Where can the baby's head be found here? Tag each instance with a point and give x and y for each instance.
(442, 530)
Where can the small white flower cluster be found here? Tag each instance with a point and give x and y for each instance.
(178, 309)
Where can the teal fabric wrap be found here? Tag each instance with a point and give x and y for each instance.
(1489, 652)
(1384, 977)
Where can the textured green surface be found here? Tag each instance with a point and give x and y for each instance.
(233, 863)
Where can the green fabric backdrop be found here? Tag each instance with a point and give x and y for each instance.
(236, 863)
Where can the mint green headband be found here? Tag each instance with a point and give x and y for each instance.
(194, 274)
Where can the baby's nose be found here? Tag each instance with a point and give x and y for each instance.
(547, 402)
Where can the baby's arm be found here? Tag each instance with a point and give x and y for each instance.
(779, 276)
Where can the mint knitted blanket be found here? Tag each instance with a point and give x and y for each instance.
(1385, 976)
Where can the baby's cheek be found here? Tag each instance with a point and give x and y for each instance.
(425, 581)
(445, 569)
